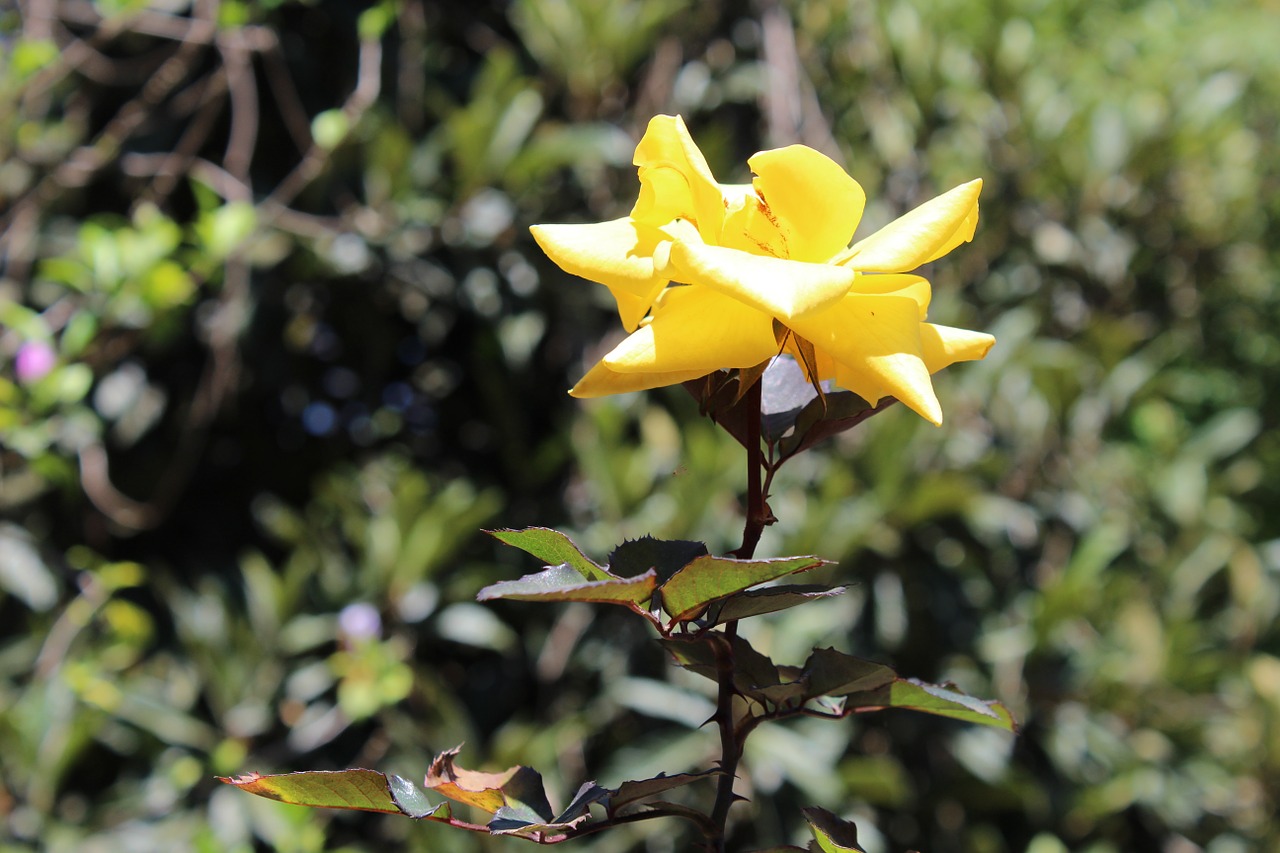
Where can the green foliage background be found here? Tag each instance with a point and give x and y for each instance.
(305, 348)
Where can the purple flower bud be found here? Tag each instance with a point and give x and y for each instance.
(34, 361)
(360, 621)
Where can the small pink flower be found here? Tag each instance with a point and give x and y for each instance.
(360, 621)
(34, 361)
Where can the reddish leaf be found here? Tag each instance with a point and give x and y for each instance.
(488, 791)
(793, 415)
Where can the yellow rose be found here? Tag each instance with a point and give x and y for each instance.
(710, 276)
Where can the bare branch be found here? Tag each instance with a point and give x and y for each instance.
(368, 86)
(244, 106)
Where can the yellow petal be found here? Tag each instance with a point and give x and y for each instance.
(944, 345)
(617, 254)
(807, 200)
(600, 381)
(911, 286)
(925, 234)
(675, 181)
(963, 234)
(780, 288)
(698, 330)
(746, 228)
(875, 341)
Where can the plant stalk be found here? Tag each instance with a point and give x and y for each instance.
(731, 740)
(730, 743)
(757, 509)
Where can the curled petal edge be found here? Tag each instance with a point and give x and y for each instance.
(924, 234)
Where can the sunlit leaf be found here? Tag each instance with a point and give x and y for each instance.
(78, 333)
(939, 699)
(30, 55)
(223, 229)
(329, 128)
(69, 384)
(357, 789)
(708, 578)
(563, 583)
(553, 548)
(167, 285)
(515, 787)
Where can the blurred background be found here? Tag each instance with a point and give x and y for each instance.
(275, 344)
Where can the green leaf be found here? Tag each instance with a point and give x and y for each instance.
(553, 548)
(68, 384)
(521, 818)
(754, 674)
(563, 583)
(832, 673)
(790, 691)
(373, 23)
(30, 55)
(67, 271)
(351, 790)
(23, 320)
(78, 333)
(167, 285)
(832, 834)
(665, 556)
(329, 128)
(768, 600)
(707, 579)
(413, 802)
(942, 700)
(224, 229)
(633, 791)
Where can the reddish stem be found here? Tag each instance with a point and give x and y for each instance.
(731, 739)
(757, 509)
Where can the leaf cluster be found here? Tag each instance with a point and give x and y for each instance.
(685, 594)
